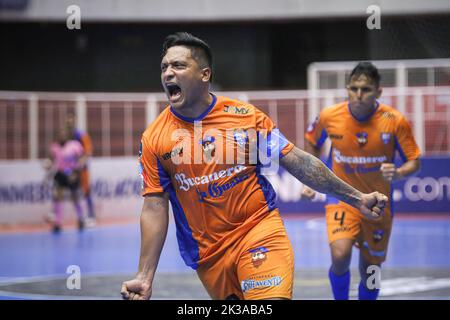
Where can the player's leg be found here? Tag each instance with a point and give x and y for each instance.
(259, 266)
(265, 269)
(339, 272)
(85, 186)
(343, 226)
(368, 288)
(373, 250)
(341, 255)
(58, 194)
(74, 185)
(217, 277)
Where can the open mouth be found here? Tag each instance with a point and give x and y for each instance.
(174, 91)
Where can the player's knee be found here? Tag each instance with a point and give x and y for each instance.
(57, 194)
(341, 254)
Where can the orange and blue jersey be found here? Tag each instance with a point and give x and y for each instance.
(360, 146)
(214, 202)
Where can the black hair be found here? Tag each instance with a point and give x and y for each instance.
(200, 50)
(367, 69)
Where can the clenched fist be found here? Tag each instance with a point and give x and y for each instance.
(372, 205)
(136, 289)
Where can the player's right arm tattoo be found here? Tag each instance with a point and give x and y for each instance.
(312, 172)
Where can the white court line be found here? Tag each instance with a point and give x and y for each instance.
(33, 296)
(408, 285)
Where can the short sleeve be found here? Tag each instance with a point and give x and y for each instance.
(405, 142)
(153, 177)
(316, 133)
(276, 142)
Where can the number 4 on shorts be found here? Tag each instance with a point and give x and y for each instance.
(339, 217)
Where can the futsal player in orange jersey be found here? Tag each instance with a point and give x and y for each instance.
(365, 135)
(228, 226)
(85, 140)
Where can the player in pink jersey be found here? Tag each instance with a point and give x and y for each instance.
(228, 226)
(67, 158)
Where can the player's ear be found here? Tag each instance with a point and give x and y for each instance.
(206, 74)
(379, 92)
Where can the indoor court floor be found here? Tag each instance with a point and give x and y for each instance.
(34, 264)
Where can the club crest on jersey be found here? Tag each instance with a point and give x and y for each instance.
(385, 137)
(378, 235)
(240, 136)
(209, 147)
(362, 137)
(259, 255)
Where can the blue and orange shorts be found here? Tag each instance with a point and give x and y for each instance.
(260, 266)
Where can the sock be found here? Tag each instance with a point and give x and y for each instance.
(340, 285)
(57, 208)
(366, 294)
(90, 206)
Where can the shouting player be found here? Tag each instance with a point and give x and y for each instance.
(228, 226)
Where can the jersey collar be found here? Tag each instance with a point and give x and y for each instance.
(366, 117)
(200, 117)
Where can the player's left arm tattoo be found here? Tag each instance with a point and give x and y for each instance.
(312, 172)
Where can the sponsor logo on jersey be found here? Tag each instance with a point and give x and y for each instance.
(340, 158)
(215, 190)
(341, 229)
(235, 110)
(177, 151)
(360, 168)
(385, 137)
(251, 284)
(186, 183)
